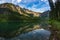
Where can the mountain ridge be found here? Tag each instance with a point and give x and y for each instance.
(19, 9)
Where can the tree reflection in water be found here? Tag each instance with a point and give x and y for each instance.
(36, 33)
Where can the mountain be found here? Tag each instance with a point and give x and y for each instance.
(8, 12)
(12, 17)
(15, 8)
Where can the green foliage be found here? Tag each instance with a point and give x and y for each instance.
(55, 24)
(55, 10)
(55, 29)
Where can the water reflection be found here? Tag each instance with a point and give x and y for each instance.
(39, 34)
(31, 31)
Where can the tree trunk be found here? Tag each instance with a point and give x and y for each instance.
(52, 9)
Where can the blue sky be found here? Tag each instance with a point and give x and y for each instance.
(34, 5)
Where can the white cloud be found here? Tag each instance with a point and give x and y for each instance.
(37, 10)
(18, 1)
(1, 1)
(10, 1)
(42, 9)
(13, 1)
(44, 0)
(33, 8)
(54, 1)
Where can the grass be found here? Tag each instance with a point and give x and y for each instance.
(55, 29)
(55, 24)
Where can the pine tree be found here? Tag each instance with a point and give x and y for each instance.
(55, 10)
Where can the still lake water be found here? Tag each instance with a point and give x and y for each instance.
(38, 34)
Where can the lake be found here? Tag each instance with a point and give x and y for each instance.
(31, 31)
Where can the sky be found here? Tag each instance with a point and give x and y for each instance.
(34, 5)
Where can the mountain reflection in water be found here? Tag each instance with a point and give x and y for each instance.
(38, 34)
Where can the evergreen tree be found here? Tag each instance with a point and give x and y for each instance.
(55, 9)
